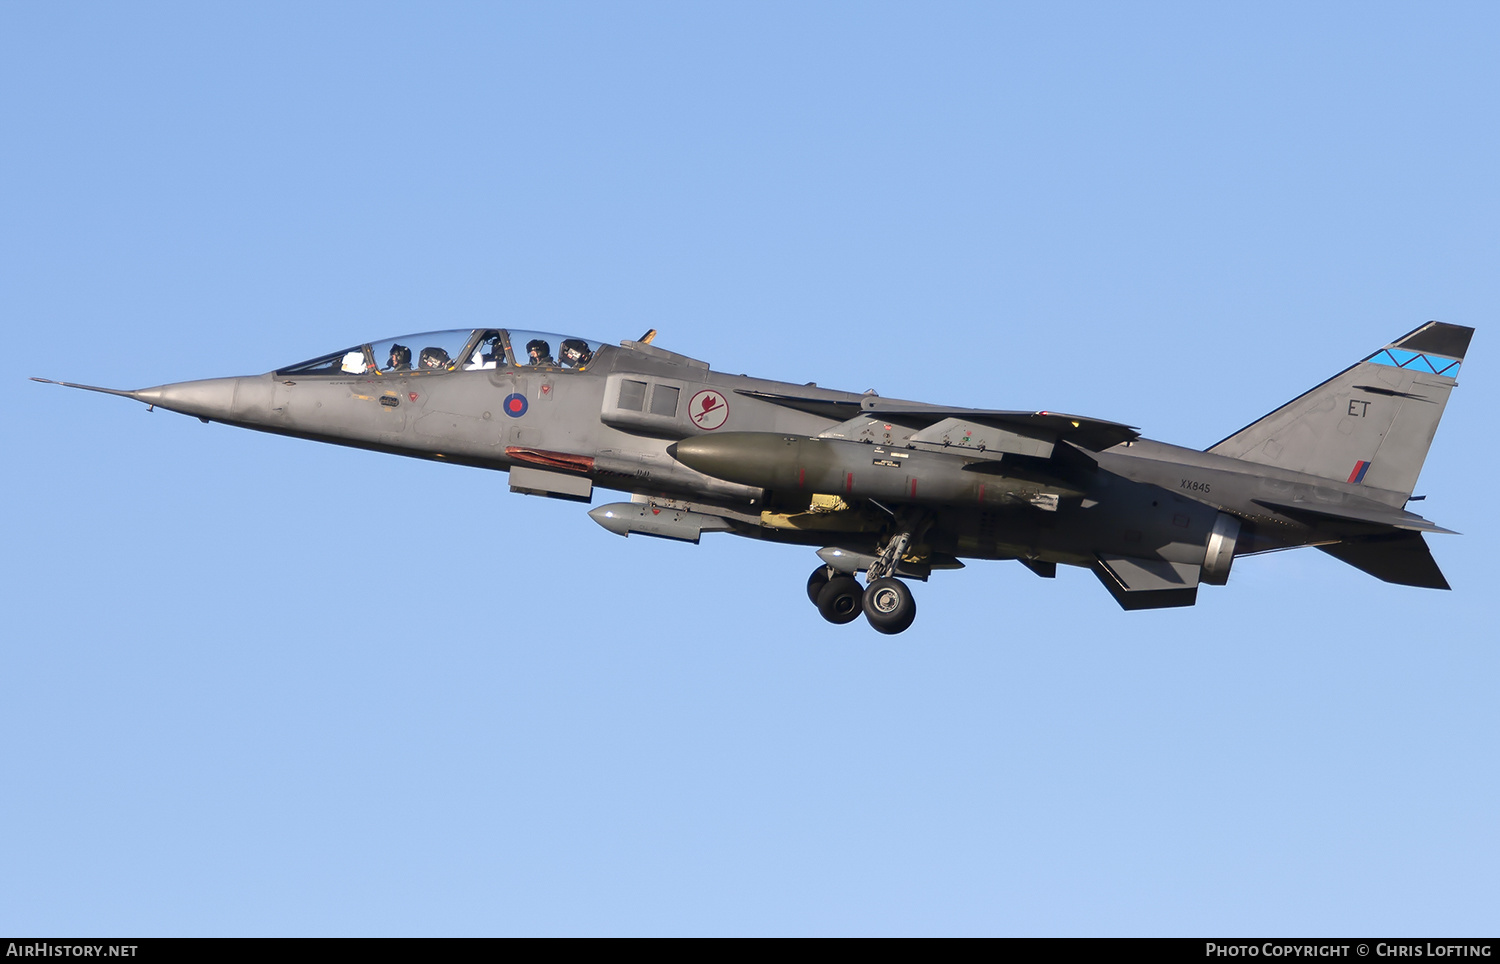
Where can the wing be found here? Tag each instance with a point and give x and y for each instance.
(1091, 433)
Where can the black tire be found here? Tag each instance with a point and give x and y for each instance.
(889, 606)
(841, 600)
(816, 582)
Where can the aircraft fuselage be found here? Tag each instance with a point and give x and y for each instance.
(888, 486)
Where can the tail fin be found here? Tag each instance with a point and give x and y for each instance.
(1371, 424)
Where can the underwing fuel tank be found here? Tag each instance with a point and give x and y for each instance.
(790, 464)
(664, 522)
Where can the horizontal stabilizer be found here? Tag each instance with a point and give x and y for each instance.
(1357, 516)
(1148, 583)
(1402, 558)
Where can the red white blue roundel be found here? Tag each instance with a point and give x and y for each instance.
(514, 405)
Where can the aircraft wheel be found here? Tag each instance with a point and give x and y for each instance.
(889, 606)
(839, 602)
(816, 582)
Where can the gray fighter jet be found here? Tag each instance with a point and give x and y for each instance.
(890, 488)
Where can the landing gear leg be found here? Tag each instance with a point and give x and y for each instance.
(888, 604)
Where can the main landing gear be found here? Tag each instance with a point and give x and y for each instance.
(840, 598)
(887, 603)
(889, 606)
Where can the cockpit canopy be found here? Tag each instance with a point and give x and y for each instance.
(465, 349)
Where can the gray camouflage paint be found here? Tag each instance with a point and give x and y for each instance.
(703, 451)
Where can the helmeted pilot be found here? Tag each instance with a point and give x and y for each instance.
(575, 353)
(400, 360)
(539, 352)
(487, 354)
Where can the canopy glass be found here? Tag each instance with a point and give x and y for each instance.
(465, 349)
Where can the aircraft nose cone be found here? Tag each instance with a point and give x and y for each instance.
(206, 398)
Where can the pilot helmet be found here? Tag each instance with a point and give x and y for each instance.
(400, 355)
(539, 348)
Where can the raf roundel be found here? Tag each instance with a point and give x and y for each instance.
(708, 409)
(514, 405)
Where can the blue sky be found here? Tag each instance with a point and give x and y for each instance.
(255, 685)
